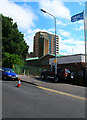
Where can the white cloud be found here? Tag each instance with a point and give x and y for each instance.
(58, 22)
(71, 46)
(37, 0)
(80, 28)
(52, 30)
(24, 16)
(55, 7)
(80, 3)
(64, 33)
(81, 21)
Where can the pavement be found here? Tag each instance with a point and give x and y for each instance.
(34, 80)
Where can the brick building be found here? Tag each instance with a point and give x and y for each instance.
(44, 43)
(75, 63)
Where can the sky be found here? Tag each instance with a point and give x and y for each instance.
(30, 19)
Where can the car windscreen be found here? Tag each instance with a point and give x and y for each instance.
(8, 70)
(67, 71)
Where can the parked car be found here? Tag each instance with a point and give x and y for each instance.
(62, 74)
(9, 74)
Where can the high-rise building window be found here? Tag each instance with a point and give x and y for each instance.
(44, 43)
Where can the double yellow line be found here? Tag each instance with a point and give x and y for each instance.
(63, 93)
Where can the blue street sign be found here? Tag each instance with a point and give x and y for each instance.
(77, 17)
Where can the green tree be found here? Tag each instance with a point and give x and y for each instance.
(14, 47)
(12, 40)
(10, 59)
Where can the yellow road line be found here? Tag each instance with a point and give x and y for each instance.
(63, 93)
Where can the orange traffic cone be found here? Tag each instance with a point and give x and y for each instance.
(19, 83)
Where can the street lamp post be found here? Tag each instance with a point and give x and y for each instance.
(55, 61)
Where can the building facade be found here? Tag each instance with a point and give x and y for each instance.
(75, 63)
(44, 43)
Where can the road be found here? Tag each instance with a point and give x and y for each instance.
(47, 101)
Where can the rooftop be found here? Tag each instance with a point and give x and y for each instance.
(34, 58)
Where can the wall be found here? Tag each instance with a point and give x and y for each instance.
(78, 69)
(75, 63)
(68, 59)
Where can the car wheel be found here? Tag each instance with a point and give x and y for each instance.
(4, 77)
(72, 75)
(56, 79)
(42, 76)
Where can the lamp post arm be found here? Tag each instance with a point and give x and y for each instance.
(51, 15)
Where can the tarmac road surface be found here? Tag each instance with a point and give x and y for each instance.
(31, 101)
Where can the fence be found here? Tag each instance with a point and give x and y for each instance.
(79, 79)
(27, 70)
